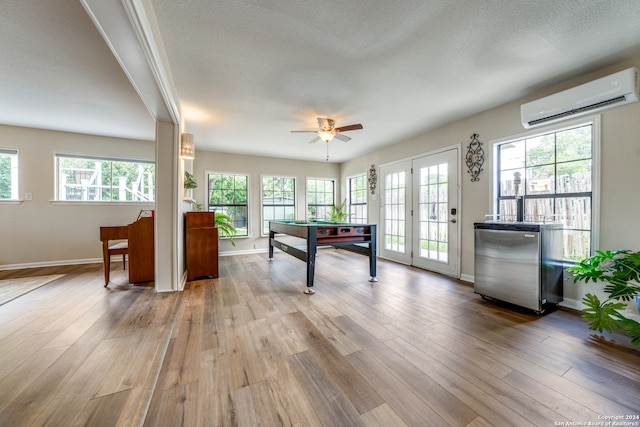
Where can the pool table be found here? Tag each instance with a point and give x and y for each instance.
(360, 238)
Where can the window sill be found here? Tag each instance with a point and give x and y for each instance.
(11, 202)
(99, 203)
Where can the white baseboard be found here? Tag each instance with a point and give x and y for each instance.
(467, 278)
(53, 263)
(243, 252)
(571, 303)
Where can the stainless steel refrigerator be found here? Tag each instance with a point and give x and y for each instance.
(519, 263)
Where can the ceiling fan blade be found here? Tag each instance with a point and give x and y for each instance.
(316, 139)
(350, 127)
(341, 137)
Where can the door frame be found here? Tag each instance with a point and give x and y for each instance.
(460, 213)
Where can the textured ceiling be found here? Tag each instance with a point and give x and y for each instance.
(246, 73)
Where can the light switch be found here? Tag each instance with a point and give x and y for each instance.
(28, 196)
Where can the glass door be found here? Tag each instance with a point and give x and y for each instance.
(435, 209)
(395, 205)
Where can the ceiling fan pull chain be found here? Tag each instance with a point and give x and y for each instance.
(327, 144)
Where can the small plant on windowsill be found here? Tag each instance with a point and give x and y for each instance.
(621, 270)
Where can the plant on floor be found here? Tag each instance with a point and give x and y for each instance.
(189, 181)
(621, 270)
(224, 224)
(338, 213)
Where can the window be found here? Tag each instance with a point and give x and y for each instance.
(556, 170)
(320, 198)
(228, 194)
(104, 179)
(358, 199)
(8, 174)
(278, 200)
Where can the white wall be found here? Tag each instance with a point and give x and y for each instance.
(42, 232)
(255, 167)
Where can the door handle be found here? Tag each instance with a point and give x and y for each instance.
(453, 220)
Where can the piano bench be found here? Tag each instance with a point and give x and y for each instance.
(120, 248)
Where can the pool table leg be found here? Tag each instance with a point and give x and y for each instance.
(312, 248)
(272, 235)
(372, 256)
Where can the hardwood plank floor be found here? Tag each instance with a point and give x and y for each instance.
(249, 348)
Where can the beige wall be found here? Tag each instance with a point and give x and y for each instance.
(42, 232)
(620, 169)
(255, 167)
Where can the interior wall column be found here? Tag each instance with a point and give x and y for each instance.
(167, 201)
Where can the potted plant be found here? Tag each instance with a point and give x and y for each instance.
(338, 213)
(189, 181)
(621, 270)
(225, 227)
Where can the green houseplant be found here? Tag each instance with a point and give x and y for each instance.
(338, 213)
(621, 270)
(225, 227)
(189, 181)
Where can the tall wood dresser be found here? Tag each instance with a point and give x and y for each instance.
(201, 245)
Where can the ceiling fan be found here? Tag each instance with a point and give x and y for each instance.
(327, 131)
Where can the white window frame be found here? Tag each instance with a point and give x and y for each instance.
(595, 122)
(306, 192)
(57, 189)
(208, 196)
(366, 200)
(262, 205)
(13, 174)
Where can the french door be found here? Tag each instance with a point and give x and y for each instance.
(419, 212)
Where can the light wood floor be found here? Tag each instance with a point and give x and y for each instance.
(251, 349)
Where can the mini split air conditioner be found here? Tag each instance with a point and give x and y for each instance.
(607, 92)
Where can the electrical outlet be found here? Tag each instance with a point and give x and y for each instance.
(28, 196)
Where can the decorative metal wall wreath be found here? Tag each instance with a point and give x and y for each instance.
(373, 179)
(474, 157)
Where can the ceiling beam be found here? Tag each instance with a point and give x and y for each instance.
(130, 30)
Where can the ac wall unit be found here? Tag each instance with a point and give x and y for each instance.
(607, 92)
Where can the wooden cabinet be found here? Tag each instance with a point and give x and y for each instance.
(201, 240)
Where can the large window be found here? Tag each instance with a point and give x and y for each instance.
(8, 174)
(104, 179)
(320, 198)
(228, 194)
(358, 199)
(278, 200)
(556, 172)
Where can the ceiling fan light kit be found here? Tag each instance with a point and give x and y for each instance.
(326, 136)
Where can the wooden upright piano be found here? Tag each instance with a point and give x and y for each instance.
(139, 247)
